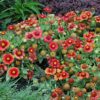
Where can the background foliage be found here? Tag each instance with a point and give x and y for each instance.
(12, 11)
(63, 6)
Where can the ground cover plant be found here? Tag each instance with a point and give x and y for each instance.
(59, 52)
(63, 6)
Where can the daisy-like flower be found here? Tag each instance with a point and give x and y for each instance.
(19, 54)
(90, 41)
(72, 26)
(83, 75)
(53, 46)
(60, 29)
(97, 18)
(94, 95)
(4, 44)
(37, 33)
(64, 75)
(47, 38)
(82, 26)
(8, 59)
(50, 71)
(70, 41)
(3, 68)
(61, 76)
(28, 36)
(78, 44)
(77, 18)
(71, 54)
(88, 13)
(47, 9)
(42, 16)
(87, 36)
(83, 16)
(31, 50)
(13, 72)
(11, 27)
(88, 48)
(55, 63)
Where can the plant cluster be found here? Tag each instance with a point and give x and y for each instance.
(9, 92)
(63, 6)
(12, 11)
(69, 45)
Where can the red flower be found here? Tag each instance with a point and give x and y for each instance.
(13, 72)
(19, 54)
(97, 18)
(83, 16)
(83, 75)
(28, 36)
(90, 41)
(88, 48)
(37, 33)
(54, 63)
(71, 80)
(87, 36)
(31, 50)
(3, 68)
(88, 13)
(92, 34)
(64, 75)
(11, 27)
(94, 95)
(70, 41)
(8, 59)
(78, 44)
(50, 71)
(4, 44)
(47, 9)
(72, 26)
(42, 16)
(47, 39)
(65, 44)
(53, 46)
(58, 91)
(82, 26)
(60, 29)
(77, 18)
(30, 74)
(31, 21)
(54, 96)
(70, 14)
(71, 54)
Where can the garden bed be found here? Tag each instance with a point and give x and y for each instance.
(57, 57)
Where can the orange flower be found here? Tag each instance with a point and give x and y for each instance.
(83, 75)
(83, 16)
(88, 13)
(50, 71)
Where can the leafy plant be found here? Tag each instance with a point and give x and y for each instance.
(9, 92)
(18, 10)
(63, 6)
